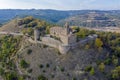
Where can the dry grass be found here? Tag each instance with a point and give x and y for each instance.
(11, 27)
(61, 67)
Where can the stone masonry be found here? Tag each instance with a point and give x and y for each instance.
(62, 38)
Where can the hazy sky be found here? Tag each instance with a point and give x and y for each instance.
(61, 4)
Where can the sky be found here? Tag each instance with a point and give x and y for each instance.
(61, 4)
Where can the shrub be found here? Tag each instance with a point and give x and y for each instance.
(98, 43)
(116, 73)
(41, 66)
(29, 51)
(102, 67)
(108, 61)
(74, 78)
(115, 61)
(41, 77)
(1, 71)
(92, 71)
(29, 71)
(24, 64)
(62, 69)
(47, 65)
(52, 76)
(88, 68)
(44, 71)
(11, 76)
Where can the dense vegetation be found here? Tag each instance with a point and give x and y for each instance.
(9, 45)
(85, 18)
(29, 23)
(110, 42)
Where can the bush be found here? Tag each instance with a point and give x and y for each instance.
(24, 64)
(41, 66)
(62, 69)
(108, 61)
(44, 71)
(29, 71)
(88, 68)
(74, 78)
(1, 71)
(102, 67)
(41, 77)
(11, 76)
(98, 43)
(116, 73)
(52, 76)
(47, 65)
(29, 51)
(115, 61)
(92, 71)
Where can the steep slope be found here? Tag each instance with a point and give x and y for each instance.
(48, 62)
(11, 26)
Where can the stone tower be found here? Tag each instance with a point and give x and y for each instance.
(68, 37)
(67, 28)
(36, 34)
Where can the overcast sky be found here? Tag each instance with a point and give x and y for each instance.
(61, 4)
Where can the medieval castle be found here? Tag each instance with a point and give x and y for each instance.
(61, 38)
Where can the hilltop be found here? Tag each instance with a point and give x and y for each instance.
(25, 25)
(84, 18)
(22, 59)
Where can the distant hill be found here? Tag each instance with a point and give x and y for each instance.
(94, 19)
(25, 25)
(85, 18)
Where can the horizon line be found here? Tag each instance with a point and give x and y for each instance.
(60, 9)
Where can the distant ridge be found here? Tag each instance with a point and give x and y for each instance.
(85, 18)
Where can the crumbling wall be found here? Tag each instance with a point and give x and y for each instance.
(63, 48)
(51, 42)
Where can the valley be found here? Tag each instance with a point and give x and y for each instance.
(84, 18)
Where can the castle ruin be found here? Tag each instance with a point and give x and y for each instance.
(61, 38)
(65, 34)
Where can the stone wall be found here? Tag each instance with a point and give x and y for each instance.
(84, 41)
(56, 44)
(51, 42)
(57, 31)
(63, 48)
